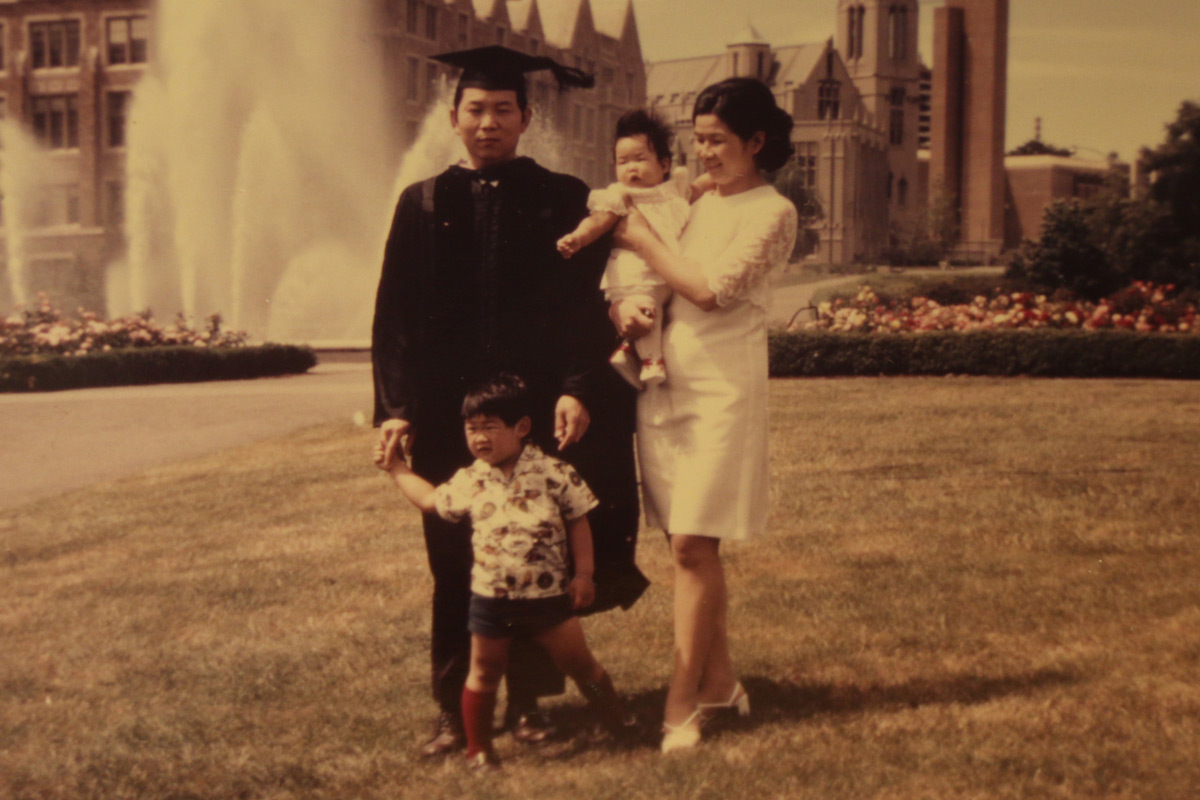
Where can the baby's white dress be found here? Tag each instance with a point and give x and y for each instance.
(702, 435)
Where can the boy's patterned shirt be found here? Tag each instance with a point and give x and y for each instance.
(519, 523)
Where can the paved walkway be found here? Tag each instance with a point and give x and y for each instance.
(52, 442)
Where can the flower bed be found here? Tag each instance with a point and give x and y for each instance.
(1143, 307)
(45, 331)
(40, 350)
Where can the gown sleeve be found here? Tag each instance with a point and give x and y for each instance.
(395, 327)
(761, 243)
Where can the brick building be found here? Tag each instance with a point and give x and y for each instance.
(597, 36)
(68, 70)
(968, 104)
(1032, 182)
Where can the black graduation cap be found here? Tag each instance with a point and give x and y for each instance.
(496, 67)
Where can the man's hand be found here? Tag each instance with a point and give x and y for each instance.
(631, 318)
(582, 591)
(571, 420)
(393, 433)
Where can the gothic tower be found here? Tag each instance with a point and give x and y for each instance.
(749, 56)
(878, 41)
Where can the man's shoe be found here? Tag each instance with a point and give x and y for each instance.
(447, 738)
(533, 727)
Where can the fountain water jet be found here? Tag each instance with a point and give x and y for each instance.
(258, 183)
(243, 167)
(18, 179)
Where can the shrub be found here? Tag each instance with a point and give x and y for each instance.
(135, 366)
(1045, 353)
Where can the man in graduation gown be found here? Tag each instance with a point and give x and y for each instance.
(472, 284)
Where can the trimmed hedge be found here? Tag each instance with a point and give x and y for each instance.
(1043, 353)
(136, 366)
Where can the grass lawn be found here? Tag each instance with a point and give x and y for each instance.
(972, 588)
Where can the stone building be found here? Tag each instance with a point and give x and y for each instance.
(855, 111)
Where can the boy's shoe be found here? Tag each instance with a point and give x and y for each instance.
(627, 364)
(448, 736)
(483, 761)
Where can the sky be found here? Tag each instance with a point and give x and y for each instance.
(1103, 75)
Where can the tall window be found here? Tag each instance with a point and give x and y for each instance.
(118, 109)
(902, 192)
(414, 79)
(54, 44)
(854, 40)
(896, 119)
(806, 159)
(3, 61)
(829, 95)
(431, 20)
(411, 13)
(56, 121)
(55, 205)
(464, 26)
(115, 202)
(501, 35)
(431, 81)
(898, 32)
(128, 40)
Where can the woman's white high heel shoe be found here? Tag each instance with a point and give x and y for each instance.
(683, 736)
(738, 701)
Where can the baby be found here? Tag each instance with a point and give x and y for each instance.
(646, 182)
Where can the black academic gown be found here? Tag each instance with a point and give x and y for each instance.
(472, 284)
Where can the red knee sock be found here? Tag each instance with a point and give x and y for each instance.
(477, 711)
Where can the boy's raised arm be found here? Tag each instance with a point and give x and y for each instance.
(419, 491)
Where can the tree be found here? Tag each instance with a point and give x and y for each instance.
(1175, 167)
(1036, 147)
(790, 182)
(1068, 255)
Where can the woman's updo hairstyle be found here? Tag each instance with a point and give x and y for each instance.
(747, 106)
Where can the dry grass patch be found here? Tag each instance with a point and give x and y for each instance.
(973, 588)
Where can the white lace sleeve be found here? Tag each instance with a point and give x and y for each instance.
(762, 243)
(610, 199)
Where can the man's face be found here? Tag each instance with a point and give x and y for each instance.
(490, 123)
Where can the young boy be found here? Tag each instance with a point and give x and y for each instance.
(525, 509)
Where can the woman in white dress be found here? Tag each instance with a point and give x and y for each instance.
(702, 435)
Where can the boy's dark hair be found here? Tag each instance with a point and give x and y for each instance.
(639, 121)
(505, 396)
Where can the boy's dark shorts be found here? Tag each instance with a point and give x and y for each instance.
(502, 617)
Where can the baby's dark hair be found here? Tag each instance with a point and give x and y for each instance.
(505, 396)
(639, 121)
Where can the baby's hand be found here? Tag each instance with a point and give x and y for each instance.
(582, 591)
(568, 245)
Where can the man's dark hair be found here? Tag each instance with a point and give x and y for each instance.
(505, 396)
(646, 123)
